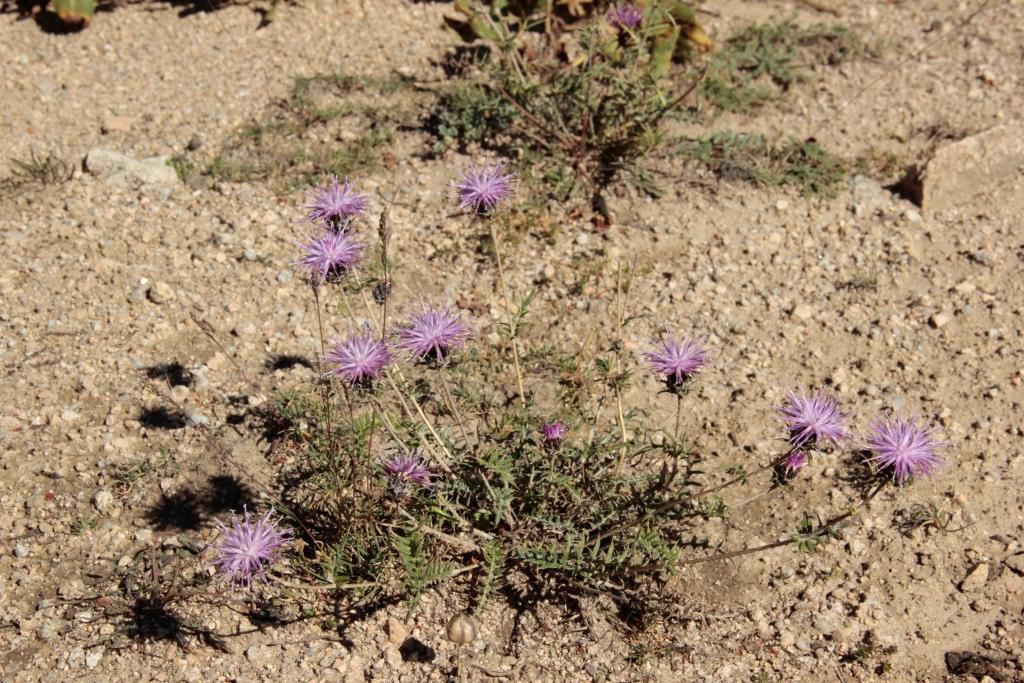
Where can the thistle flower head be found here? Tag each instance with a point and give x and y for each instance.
(248, 547)
(907, 446)
(625, 16)
(331, 255)
(813, 418)
(336, 204)
(554, 432)
(677, 361)
(408, 472)
(432, 333)
(483, 188)
(795, 459)
(360, 358)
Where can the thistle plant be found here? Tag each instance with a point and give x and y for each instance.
(584, 95)
(419, 466)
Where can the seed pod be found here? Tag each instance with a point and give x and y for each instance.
(462, 629)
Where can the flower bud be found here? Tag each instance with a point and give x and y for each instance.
(462, 629)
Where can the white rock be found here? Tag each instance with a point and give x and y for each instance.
(392, 656)
(103, 500)
(92, 659)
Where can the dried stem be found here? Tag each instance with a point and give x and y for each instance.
(818, 532)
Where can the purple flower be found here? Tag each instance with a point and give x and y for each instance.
(336, 204)
(247, 548)
(906, 445)
(360, 358)
(813, 418)
(625, 16)
(483, 188)
(331, 255)
(795, 460)
(554, 432)
(677, 361)
(432, 333)
(407, 472)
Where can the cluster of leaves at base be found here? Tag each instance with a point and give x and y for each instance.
(582, 115)
(585, 514)
(579, 104)
(749, 157)
(761, 60)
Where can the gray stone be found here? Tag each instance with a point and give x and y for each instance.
(123, 171)
(195, 419)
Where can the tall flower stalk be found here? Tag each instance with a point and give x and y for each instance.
(482, 190)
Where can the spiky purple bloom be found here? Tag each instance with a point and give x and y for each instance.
(331, 255)
(554, 432)
(625, 16)
(677, 361)
(907, 446)
(360, 358)
(336, 204)
(795, 459)
(813, 418)
(247, 548)
(483, 188)
(407, 472)
(432, 333)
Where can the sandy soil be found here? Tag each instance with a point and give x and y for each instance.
(98, 283)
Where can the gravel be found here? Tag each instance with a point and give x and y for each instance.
(99, 278)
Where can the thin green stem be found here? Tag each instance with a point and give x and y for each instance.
(512, 331)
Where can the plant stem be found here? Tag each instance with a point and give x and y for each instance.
(512, 332)
(820, 531)
(679, 413)
(620, 315)
(676, 502)
(326, 387)
(451, 405)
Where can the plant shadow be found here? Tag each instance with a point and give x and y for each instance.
(188, 509)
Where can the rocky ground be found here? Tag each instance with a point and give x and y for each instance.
(123, 427)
